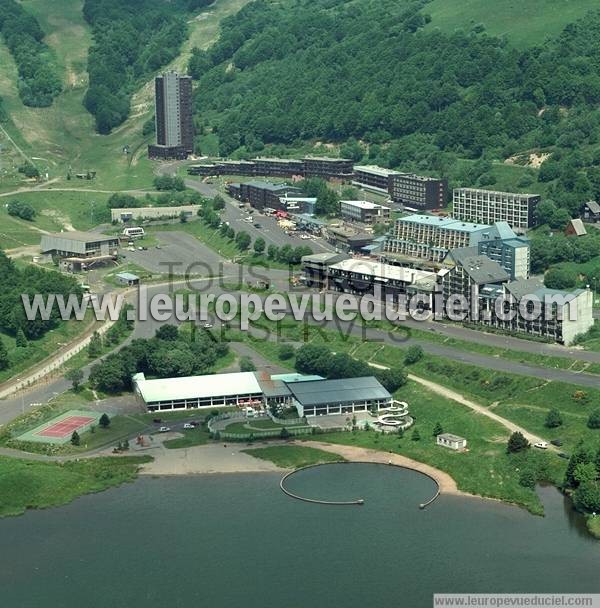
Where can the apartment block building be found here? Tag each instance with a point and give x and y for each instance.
(364, 211)
(174, 117)
(328, 168)
(431, 237)
(487, 207)
(262, 194)
(371, 177)
(278, 167)
(417, 192)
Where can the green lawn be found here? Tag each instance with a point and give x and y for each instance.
(293, 456)
(191, 437)
(523, 23)
(37, 485)
(485, 470)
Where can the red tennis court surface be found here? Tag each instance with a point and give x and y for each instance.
(66, 426)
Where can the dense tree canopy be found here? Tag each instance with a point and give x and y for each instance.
(132, 40)
(30, 281)
(39, 80)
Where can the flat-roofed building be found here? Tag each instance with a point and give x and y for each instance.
(372, 177)
(417, 192)
(488, 206)
(343, 396)
(367, 277)
(364, 211)
(152, 213)
(262, 194)
(218, 390)
(278, 167)
(315, 268)
(347, 238)
(431, 237)
(297, 204)
(328, 168)
(454, 442)
(79, 250)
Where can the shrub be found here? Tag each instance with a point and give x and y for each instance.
(517, 443)
(594, 420)
(553, 419)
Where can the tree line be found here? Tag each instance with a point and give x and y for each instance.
(39, 79)
(170, 353)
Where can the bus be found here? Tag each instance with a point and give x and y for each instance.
(134, 233)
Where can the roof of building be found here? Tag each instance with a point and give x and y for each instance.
(198, 387)
(497, 192)
(84, 237)
(504, 230)
(523, 287)
(385, 271)
(274, 159)
(443, 222)
(593, 206)
(451, 437)
(323, 258)
(577, 226)
(270, 186)
(375, 170)
(364, 204)
(480, 268)
(295, 377)
(127, 276)
(327, 158)
(344, 390)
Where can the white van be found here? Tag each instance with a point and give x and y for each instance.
(134, 233)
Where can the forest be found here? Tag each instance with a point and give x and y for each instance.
(367, 75)
(30, 281)
(131, 41)
(39, 79)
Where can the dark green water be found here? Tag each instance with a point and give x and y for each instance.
(236, 540)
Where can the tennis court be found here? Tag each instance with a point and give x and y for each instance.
(59, 429)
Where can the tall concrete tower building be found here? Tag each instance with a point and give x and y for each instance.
(174, 122)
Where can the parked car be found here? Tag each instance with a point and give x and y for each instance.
(556, 442)
(194, 423)
(563, 455)
(157, 420)
(541, 445)
(188, 425)
(164, 429)
(257, 226)
(207, 325)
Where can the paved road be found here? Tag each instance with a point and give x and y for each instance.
(270, 231)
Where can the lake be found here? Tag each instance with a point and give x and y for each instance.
(237, 540)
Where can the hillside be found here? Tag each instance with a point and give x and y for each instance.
(63, 135)
(523, 24)
(405, 94)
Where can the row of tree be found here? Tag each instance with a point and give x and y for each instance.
(39, 79)
(319, 359)
(170, 353)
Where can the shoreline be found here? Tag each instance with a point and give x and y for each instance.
(214, 459)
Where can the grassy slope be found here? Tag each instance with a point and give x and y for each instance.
(523, 23)
(63, 135)
(38, 485)
(293, 456)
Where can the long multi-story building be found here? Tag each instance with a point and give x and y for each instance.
(324, 167)
(371, 177)
(431, 237)
(364, 211)
(489, 298)
(262, 194)
(488, 206)
(417, 192)
(278, 167)
(174, 120)
(328, 168)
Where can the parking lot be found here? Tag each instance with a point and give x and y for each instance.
(181, 249)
